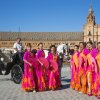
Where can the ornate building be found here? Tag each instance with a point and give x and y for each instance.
(90, 32)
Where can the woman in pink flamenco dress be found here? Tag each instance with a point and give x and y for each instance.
(98, 75)
(29, 76)
(91, 70)
(41, 71)
(53, 76)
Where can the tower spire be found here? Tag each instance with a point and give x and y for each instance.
(91, 3)
(91, 17)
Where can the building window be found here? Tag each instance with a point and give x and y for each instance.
(90, 40)
(9, 38)
(4, 43)
(72, 44)
(11, 43)
(89, 34)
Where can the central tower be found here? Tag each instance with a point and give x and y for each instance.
(89, 29)
(91, 17)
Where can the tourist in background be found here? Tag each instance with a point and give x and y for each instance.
(18, 51)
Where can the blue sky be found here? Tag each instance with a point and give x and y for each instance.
(46, 15)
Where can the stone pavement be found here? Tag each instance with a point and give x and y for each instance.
(12, 91)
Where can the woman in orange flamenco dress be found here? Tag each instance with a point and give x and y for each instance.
(75, 82)
(82, 67)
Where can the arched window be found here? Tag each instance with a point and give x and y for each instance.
(89, 34)
(90, 40)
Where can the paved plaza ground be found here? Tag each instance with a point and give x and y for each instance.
(12, 91)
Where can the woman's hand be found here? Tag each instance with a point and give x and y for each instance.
(30, 64)
(40, 62)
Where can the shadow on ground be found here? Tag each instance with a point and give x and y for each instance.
(5, 79)
(65, 80)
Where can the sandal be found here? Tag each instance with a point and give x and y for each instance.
(98, 97)
(89, 94)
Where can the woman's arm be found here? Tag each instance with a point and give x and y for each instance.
(25, 59)
(27, 62)
(37, 54)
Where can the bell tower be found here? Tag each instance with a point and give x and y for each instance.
(91, 30)
(91, 17)
(88, 28)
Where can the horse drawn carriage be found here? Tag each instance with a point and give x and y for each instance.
(11, 64)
